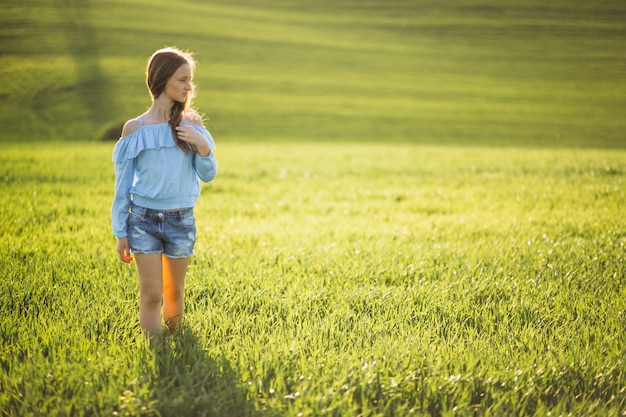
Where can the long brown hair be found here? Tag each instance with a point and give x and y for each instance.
(161, 66)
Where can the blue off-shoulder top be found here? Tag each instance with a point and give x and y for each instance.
(153, 172)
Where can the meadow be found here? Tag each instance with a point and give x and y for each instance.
(419, 210)
(327, 281)
(461, 72)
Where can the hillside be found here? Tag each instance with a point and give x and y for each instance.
(454, 71)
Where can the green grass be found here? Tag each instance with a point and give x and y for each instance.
(435, 72)
(329, 279)
(419, 209)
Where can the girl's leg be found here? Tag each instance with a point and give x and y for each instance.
(150, 271)
(174, 271)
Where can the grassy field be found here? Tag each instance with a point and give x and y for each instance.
(435, 71)
(419, 209)
(329, 279)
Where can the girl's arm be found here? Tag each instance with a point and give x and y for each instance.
(124, 175)
(195, 133)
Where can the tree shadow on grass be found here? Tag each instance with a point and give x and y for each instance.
(82, 44)
(190, 383)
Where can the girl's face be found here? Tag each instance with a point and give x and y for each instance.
(178, 87)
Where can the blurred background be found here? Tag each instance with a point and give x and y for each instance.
(489, 72)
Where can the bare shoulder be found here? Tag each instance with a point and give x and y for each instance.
(193, 118)
(130, 127)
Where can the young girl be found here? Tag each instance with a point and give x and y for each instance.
(159, 161)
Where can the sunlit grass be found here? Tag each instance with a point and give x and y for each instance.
(343, 267)
(436, 72)
(329, 279)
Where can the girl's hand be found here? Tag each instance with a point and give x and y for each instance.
(190, 135)
(123, 249)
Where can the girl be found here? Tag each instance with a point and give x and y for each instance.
(159, 160)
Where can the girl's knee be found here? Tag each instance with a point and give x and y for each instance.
(151, 299)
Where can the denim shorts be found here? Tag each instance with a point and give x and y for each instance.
(172, 233)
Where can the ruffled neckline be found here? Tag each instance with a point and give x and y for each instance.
(150, 126)
(129, 146)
